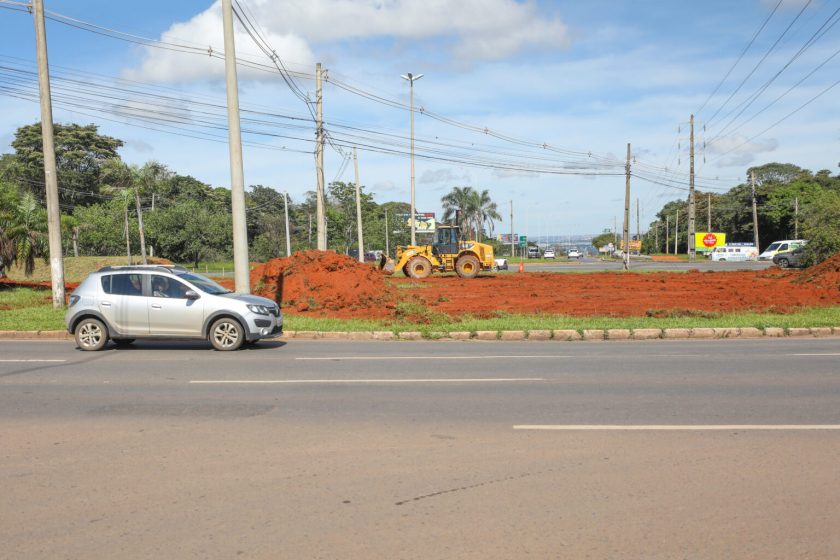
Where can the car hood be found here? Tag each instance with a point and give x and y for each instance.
(248, 298)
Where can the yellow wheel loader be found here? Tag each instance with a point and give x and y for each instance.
(447, 253)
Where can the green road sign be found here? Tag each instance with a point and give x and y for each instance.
(523, 240)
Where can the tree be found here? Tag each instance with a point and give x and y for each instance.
(80, 152)
(460, 205)
(485, 212)
(821, 227)
(23, 233)
(189, 231)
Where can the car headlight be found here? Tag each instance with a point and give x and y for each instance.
(258, 309)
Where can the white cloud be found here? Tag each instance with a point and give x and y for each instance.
(513, 173)
(477, 29)
(739, 149)
(443, 175)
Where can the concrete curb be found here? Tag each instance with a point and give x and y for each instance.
(537, 335)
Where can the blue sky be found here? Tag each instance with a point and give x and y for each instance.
(584, 76)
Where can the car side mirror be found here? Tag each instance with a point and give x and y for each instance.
(191, 294)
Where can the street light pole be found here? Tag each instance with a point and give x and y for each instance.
(411, 79)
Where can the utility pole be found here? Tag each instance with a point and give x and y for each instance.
(387, 245)
(237, 175)
(512, 246)
(50, 176)
(638, 223)
(667, 231)
(411, 79)
(796, 218)
(358, 207)
(320, 216)
(140, 226)
(309, 238)
(288, 235)
(677, 234)
(615, 233)
(755, 211)
(709, 208)
(656, 237)
(626, 229)
(692, 224)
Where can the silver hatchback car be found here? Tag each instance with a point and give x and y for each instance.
(124, 303)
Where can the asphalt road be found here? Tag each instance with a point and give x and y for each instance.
(590, 264)
(316, 449)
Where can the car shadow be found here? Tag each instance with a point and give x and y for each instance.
(190, 345)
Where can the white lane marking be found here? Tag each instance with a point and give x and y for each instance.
(329, 381)
(676, 427)
(22, 360)
(826, 354)
(480, 357)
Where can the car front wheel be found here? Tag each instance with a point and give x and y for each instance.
(91, 334)
(226, 334)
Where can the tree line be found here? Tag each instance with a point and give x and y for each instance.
(109, 207)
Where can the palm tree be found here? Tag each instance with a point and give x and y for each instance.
(119, 183)
(459, 204)
(485, 211)
(23, 236)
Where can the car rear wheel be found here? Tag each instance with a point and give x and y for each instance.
(783, 263)
(91, 334)
(226, 334)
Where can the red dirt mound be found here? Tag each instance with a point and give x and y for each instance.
(322, 282)
(825, 274)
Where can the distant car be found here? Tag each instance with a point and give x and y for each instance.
(574, 254)
(124, 303)
(789, 258)
(533, 253)
(549, 254)
(501, 264)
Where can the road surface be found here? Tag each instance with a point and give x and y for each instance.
(362, 450)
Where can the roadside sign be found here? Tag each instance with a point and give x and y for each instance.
(706, 241)
(523, 240)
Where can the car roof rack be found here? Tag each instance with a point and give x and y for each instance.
(160, 267)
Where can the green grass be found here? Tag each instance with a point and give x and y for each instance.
(76, 269)
(29, 309)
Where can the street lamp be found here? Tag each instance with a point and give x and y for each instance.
(411, 79)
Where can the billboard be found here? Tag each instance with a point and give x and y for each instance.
(705, 242)
(425, 221)
(505, 238)
(635, 245)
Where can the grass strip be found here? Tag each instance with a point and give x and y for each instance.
(29, 309)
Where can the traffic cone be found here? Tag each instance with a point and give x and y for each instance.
(521, 266)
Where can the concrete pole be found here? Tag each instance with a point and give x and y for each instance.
(320, 214)
(667, 232)
(288, 235)
(796, 218)
(709, 208)
(140, 226)
(626, 228)
(512, 241)
(692, 224)
(413, 209)
(50, 176)
(237, 175)
(677, 234)
(358, 208)
(387, 244)
(755, 212)
(638, 224)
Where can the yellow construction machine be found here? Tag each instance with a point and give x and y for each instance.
(447, 253)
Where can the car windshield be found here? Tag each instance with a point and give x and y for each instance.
(773, 247)
(204, 284)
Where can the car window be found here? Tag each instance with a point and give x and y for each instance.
(123, 284)
(165, 287)
(783, 247)
(203, 283)
(773, 247)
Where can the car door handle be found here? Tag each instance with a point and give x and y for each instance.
(106, 304)
(155, 306)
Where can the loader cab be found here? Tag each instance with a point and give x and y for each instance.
(447, 240)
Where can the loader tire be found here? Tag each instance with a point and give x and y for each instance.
(418, 267)
(467, 266)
